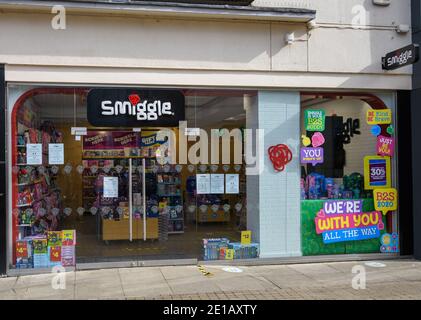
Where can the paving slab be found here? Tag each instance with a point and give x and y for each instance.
(7, 283)
(48, 293)
(399, 279)
(98, 284)
(193, 285)
(180, 272)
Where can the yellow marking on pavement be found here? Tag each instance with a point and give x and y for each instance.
(204, 272)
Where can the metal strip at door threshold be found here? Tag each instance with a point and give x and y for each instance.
(135, 263)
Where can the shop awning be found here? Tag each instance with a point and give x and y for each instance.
(157, 8)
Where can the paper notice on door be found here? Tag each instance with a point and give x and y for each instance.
(110, 187)
(203, 185)
(55, 153)
(34, 153)
(232, 183)
(217, 183)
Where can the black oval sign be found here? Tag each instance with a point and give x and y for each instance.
(135, 107)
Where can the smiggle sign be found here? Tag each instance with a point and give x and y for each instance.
(342, 220)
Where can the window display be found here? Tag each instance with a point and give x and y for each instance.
(343, 160)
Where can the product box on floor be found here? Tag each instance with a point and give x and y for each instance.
(56, 248)
(218, 249)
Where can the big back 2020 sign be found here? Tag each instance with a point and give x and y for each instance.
(135, 107)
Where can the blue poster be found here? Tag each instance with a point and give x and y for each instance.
(351, 234)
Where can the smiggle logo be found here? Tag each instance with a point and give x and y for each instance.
(141, 110)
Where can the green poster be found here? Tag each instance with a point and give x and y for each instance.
(314, 120)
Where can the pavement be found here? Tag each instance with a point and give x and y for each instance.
(389, 279)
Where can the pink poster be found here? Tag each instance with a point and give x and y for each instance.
(385, 146)
(100, 140)
(331, 222)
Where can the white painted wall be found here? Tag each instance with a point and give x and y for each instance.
(276, 220)
(225, 48)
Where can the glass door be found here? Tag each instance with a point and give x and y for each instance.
(138, 218)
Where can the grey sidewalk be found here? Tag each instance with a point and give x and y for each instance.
(397, 279)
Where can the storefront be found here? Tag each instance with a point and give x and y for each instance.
(128, 175)
(233, 157)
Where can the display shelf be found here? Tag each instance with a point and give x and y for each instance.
(169, 183)
(29, 183)
(111, 157)
(32, 187)
(167, 187)
(25, 205)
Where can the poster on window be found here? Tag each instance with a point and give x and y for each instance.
(203, 183)
(314, 120)
(55, 153)
(217, 183)
(383, 116)
(232, 183)
(377, 172)
(34, 153)
(110, 187)
(343, 220)
(385, 146)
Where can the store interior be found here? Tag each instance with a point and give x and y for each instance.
(177, 220)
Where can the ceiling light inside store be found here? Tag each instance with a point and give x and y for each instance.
(236, 118)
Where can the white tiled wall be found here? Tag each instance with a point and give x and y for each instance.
(279, 196)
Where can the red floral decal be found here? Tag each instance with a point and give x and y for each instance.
(280, 155)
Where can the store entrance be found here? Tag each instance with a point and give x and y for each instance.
(132, 198)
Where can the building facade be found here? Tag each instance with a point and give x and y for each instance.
(414, 101)
(112, 108)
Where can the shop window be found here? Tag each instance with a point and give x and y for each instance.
(116, 192)
(348, 204)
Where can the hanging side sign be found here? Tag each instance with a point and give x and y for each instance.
(401, 57)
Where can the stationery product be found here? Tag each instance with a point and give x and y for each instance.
(55, 255)
(245, 251)
(68, 257)
(54, 238)
(69, 237)
(213, 247)
(40, 246)
(41, 260)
